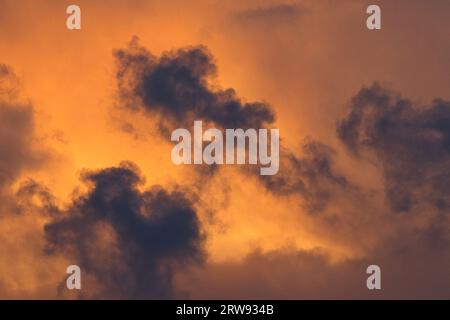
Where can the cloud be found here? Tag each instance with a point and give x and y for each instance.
(412, 144)
(311, 274)
(309, 175)
(16, 131)
(275, 15)
(19, 152)
(411, 248)
(129, 241)
(24, 205)
(176, 86)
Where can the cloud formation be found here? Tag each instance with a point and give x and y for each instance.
(128, 241)
(285, 52)
(177, 86)
(412, 144)
(311, 274)
(17, 130)
(309, 175)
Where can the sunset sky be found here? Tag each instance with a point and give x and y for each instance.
(86, 176)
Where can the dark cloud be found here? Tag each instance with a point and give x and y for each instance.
(412, 144)
(16, 130)
(128, 240)
(176, 86)
(309, 175)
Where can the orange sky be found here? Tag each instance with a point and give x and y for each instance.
(306, 61)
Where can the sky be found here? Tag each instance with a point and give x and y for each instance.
(86, 176)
